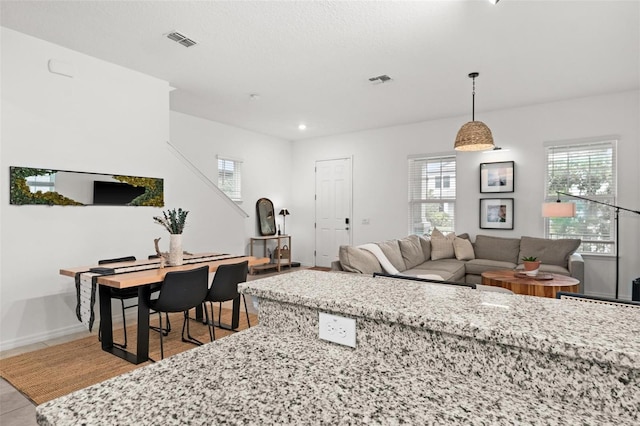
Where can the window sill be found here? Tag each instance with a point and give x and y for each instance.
(598, 255)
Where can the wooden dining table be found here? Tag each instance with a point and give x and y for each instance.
(142, 280)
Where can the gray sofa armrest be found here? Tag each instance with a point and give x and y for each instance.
(576, 269)
(336, 266)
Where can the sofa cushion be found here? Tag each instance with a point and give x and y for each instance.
(551, 252)
(478, 266)
(497, 248)
(448, 269)
(411, 250)
(463, 249)
(391, 250)
(553, 269)
(353, 259)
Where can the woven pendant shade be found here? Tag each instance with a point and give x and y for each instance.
(474, 136)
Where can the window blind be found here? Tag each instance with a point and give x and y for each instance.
(588, 170)
(432, 194)
(230, 177)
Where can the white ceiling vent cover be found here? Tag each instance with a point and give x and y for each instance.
(181, 39)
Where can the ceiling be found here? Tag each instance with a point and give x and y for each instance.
(310, 61)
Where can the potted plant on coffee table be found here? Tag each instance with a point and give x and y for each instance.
(531, 263)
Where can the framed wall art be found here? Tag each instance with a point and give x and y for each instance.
(496, 213)
(497, 177)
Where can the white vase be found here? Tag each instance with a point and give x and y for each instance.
(175, 250)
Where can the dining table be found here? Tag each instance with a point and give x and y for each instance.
(141, 274)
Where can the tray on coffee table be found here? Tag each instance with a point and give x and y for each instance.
(540, 276)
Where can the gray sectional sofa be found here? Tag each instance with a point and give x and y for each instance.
(462, 261)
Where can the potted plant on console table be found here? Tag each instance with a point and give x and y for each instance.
(174, 221)
(531, 265)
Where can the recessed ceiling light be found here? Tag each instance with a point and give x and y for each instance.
(494, 1)
(302, 126)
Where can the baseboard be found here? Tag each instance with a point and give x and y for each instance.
(41, 337)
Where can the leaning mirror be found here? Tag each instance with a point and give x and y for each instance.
(266, 217)
(66, 188)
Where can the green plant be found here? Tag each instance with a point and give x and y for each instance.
(173, 220)
(529, 259)
(153, 190)
(21, 194)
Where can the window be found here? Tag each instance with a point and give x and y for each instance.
(432, 194)
(443, 182)
(230, 178)
(586, 169)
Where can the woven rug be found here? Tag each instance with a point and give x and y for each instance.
(55, 371)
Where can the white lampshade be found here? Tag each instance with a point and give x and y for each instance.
(557, 209)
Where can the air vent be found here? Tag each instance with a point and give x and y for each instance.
(181, 39)
(380, 79)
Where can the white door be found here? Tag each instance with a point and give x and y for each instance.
(333, 208)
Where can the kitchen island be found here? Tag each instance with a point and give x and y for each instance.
(425, 353)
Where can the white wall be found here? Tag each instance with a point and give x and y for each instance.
(106, 119)
(380, 174)
(266, 166)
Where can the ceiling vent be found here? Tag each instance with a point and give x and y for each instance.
(181, 39)
(380, 79)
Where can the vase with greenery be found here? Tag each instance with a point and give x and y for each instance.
(174, 221)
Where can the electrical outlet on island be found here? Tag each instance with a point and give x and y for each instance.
(337, 329)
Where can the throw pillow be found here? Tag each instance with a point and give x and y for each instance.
(436, 233)
(426, 247)
(441, 246)
(463, 249)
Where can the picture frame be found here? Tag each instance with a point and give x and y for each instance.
(497, 177)
(496, 213)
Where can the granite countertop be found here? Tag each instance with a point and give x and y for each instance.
(595, 332)
(261, 377)
(265, 375)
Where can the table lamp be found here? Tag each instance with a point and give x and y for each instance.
(284, 213)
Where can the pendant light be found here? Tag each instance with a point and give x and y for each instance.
(475, 135)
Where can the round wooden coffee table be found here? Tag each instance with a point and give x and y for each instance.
(530, 286)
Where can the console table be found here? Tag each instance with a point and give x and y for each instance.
(279, 262)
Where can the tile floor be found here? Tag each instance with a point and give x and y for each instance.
(17, 410)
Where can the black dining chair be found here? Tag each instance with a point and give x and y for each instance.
(179, 292)
(224, 287)
(121, 294)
